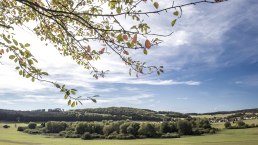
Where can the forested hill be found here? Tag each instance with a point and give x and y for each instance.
(96, 114)
(254, 110)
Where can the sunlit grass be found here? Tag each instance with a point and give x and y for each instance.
(225, 137)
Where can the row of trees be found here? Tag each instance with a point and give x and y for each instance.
(123, 129)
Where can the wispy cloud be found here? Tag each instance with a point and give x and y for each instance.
(182, 98)
(249, 80)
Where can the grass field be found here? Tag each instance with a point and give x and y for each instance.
(225, 137)
(211, 116)
(220, 125)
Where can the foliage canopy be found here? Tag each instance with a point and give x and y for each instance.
(72, 26)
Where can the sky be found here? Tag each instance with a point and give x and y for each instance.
(211, 64)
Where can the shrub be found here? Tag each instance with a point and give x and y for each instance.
(69, 134)
(164, 127)
(203, 123)
(108, 129)
(21, 128)
(32, 131)
(32, 125)
(170, 135)
(141, 136)
(6, 126)
(95, 135)
(241, 124)
(42, 130)
(125, 136)
(197, 131)
(43, 124)
(92, 127)
(133, 128)
(184, 127)
(227, 124)
(123, 128)
(148, 129)
(62, 133)
(56, 127)
(112, 136)
(86, 136)
(205, 130)
(212, 131)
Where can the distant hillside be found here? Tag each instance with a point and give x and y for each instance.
(254, 110)
(96, 114)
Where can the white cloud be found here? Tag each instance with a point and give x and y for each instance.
(7, 102)
(131, 89)
(196, 40)
(182, 98)
(121, 100)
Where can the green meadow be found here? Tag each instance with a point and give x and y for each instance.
(224, 137)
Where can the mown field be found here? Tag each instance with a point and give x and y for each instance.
(221, 125)
(225, 137)
(211, 116)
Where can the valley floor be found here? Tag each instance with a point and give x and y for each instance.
(225, 137)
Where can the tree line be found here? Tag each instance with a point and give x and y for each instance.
(121, 129)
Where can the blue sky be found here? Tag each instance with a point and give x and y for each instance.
(211, 64)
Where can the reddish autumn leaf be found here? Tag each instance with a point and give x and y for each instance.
(148, 44)
(126, 52)
(89, 57)
(88, 48)
(1, 51)
(125, 37)
(102, 50)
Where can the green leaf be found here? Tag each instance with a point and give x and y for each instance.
(15, 42)
(28, 75)
(57, 85)
(30, 62)
(20, 72)
(44, 73)
(73, 104)
(156, 5)
(173, 23)
(129, 45)
(69, 102)
(176, 13)
(6, 39)
(94, 100)
(120, 37)
(145, 51)
(66, 96)
(11, 56)
(73, 92)
(27, 45)
(118, 10)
